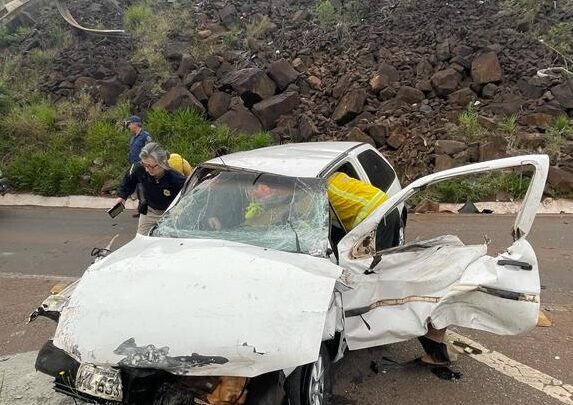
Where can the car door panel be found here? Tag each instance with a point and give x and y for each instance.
(396, 292)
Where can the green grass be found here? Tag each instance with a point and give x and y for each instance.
(470, 128)
(137, 15)
(508, 125)
(476, 188)
(556, 135)
(325, 12)
(8, 38)
(258, 28)
(74, 147)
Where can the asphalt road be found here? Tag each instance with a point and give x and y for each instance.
(39, 244)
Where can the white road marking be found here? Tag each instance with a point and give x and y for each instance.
(38, 276)
(545, 383)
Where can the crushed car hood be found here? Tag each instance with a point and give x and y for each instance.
(199, 307)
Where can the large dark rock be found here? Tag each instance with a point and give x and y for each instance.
(84, 82)
(349, 107)
(461, 97)
(389, 71)
(560, 178)
(242, 120)
(449, 147)
(494, 148)
(228, 15)
(378, 82)
(563, 93)
(306, 128)
(178, 98)
(378, 133)
(126, 74)
(445, 81)
(539, 120)
(410, 95)
(218, 104)
(269, 110)
(252, 84)
(357, 135)
(282, 73)
(110, 90)
(486, 68)
(198, 90)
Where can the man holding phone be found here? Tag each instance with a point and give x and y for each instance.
(159, 183)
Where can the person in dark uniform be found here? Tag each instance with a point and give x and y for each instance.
(139, 138)
(160, 184)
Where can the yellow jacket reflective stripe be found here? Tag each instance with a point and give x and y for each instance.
(353, 200)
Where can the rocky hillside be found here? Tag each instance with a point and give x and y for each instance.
(432, 84)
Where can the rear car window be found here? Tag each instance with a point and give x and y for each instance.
(379, 172)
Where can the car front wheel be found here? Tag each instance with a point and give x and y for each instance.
(311, 384)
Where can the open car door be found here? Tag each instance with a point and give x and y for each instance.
(396, 292)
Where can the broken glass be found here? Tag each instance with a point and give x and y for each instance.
(278, 212)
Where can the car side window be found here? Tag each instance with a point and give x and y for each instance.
(379, 172)
(349, 170)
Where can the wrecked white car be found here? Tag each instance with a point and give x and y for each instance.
(228, 302)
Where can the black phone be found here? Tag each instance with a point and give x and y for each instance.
(116, 210)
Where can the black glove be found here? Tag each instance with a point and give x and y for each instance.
(142, 207)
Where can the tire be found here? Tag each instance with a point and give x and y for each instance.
(310, 384)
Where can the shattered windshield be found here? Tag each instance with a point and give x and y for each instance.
(277, 212)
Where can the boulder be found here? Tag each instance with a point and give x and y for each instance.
(306, 128)
(410, 95)
(252, 84)
(560, 178)
(462, 97)
(390, 72)
(186, 65)
(218, 104)
(178, 98)
(84, 82)
(443, 51)
(449, 147)
(269, 110)
(126, 74)
(110, 90)
(563, 93)
(489, 90)
(378, 133)
(241, 119)
(424, 69)
(198, 90)
(228, 15)
(299, 65)
(282, 73)
(443, 162)
(314, 82)
(486, 68)
(539, 120)
(396, 139)
(379, 82)
(530, 140)
(445, 81)
(357, 135)
(494, 148)
(349, 107)
(531, 88)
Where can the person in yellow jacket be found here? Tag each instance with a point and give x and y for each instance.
(353, 200)
(177, 162)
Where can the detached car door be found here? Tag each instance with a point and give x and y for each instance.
(395, 293)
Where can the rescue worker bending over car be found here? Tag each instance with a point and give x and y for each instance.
(159, 182)
(353, 200)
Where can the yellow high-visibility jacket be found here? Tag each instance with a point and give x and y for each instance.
(177, 162)
(353, 200)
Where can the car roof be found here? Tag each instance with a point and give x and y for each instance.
(294, 159)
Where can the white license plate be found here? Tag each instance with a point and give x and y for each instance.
(101, 382)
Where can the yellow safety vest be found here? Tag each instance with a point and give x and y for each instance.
(353, 200)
